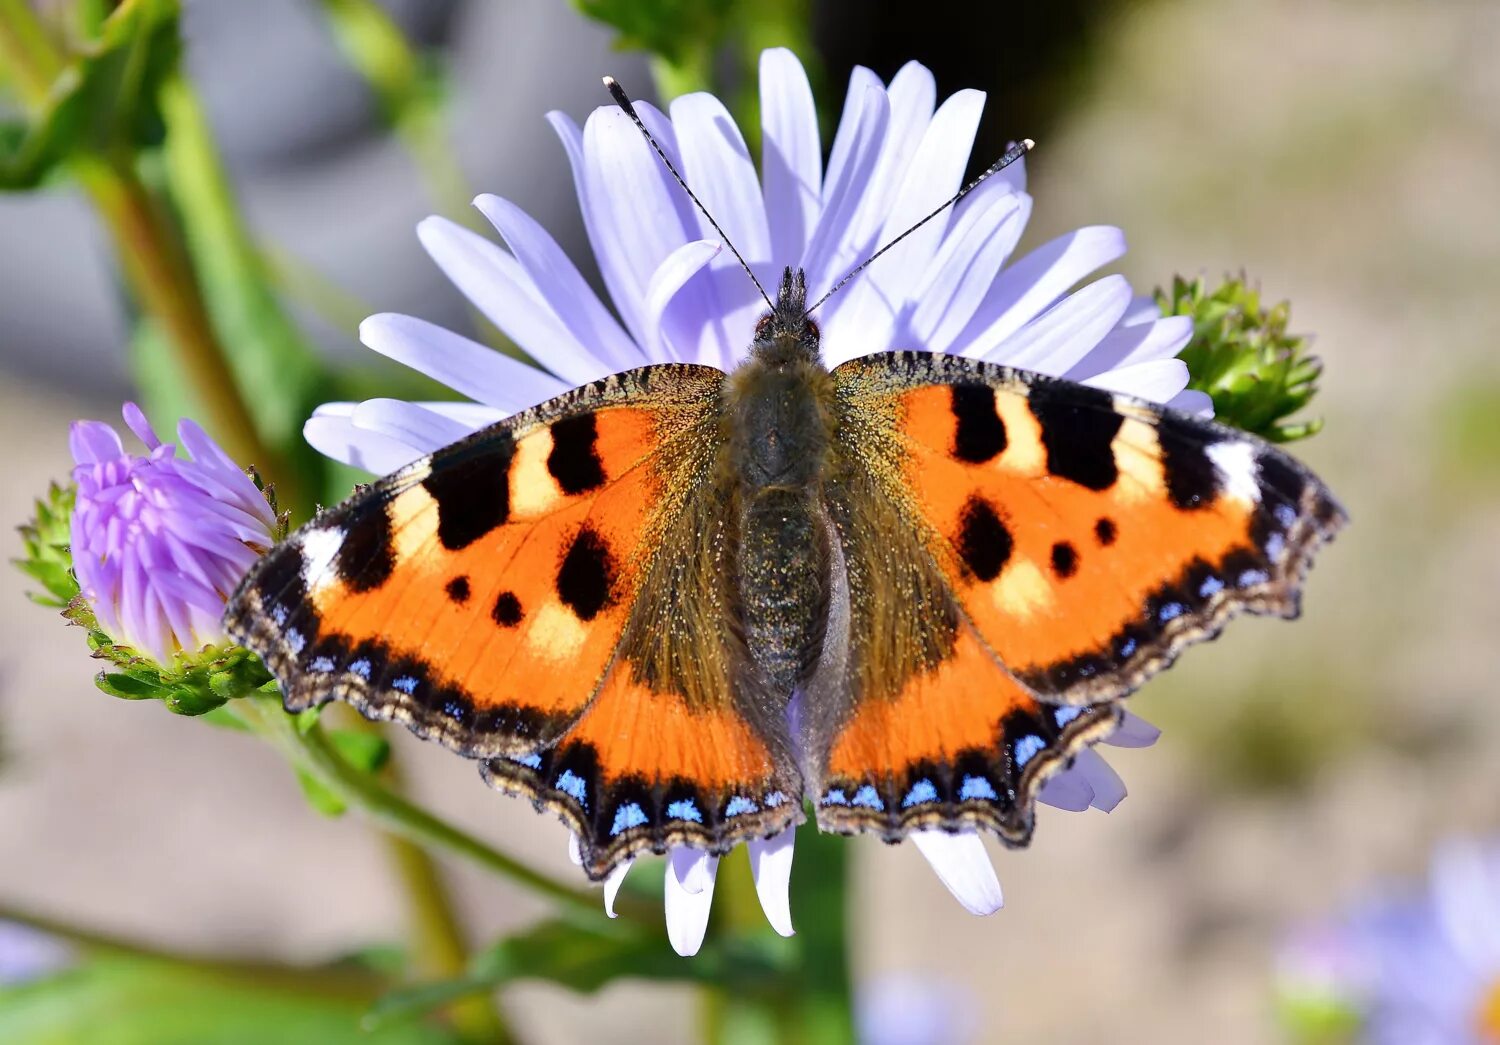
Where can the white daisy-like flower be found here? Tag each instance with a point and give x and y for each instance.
(679, 296)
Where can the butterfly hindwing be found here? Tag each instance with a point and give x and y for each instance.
(1018, 553)
(490, 597)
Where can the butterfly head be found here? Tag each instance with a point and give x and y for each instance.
(785, 334)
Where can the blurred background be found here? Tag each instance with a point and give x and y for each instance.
(1345, 155)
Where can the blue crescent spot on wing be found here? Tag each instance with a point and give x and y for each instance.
(921, 791)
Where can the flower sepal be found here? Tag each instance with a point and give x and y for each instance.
(192, 684)
(47, 559)
(1242, 356)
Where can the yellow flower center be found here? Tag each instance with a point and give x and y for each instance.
(1489, 1014)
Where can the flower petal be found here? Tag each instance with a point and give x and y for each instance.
(637, 214)
(463, 365)
(912, 94)
(94, 441)
(1068, 330)
(1109, 789)
(694, 872)
(500, 288)
(687, 908)
(135, 420)
(1159, 380)
(1034, 283)
(559, 283)
(612, 883)
(856, 151)
(771, 865)
(717, 164)
(340, 439)
(1133, 731)
(932, 173)
(473, 416)
(674, 343)
(1192, 401)
(960, 275)
(791, 154)
(1069, 790)
(408, 423)
(575, 849)
(1466, 902)
(961, 864)
(1130, 343)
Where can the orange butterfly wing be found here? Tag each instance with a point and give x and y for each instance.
(1069, 543)
(484, 597)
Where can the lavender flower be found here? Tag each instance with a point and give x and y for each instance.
(159, 542)
(679, 297)
(1415, 968)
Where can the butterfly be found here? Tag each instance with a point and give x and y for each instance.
(676, 606)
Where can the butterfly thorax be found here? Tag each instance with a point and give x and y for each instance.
(779, 407)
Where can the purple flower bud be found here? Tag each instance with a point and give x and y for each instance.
(159, 541)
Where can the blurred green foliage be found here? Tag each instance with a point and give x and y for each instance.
(1241, 355)
(103, 98)
(1468, 431)
(121, 999)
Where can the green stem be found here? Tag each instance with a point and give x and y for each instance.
(440, 949)
(159, 273)
(27, 56)
(324, 982)
(151, 254)
(312, 753)
(695, 72)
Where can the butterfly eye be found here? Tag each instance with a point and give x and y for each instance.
(813, 332)
(763, 328)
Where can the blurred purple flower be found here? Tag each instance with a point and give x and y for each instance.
(679, 297)
(26, 954)
(159, 542)
(1419, 968)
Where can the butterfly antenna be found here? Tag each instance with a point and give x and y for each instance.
(1012, 154)
(623, 101)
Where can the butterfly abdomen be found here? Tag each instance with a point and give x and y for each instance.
(777, 453)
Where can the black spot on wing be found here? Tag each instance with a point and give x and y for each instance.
(980, 434)
(471, 485)
(1078, 424)
(586, 575)
(1064, 560)
(279, 580)
(1192, 480)
(507, 610)
(984, 543)
(367, 555)
(1105, 531)
(574, 460)
(458, 590)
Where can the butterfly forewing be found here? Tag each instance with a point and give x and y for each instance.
(499, 597)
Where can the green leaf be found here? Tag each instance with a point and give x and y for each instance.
(1241, 355)
(103, 100)
(128, 686)
(368, 752)
(582, 956)
(671, 29)
(319, 796)
(133, 1001)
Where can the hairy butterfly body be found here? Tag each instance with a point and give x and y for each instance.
(676, 604)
